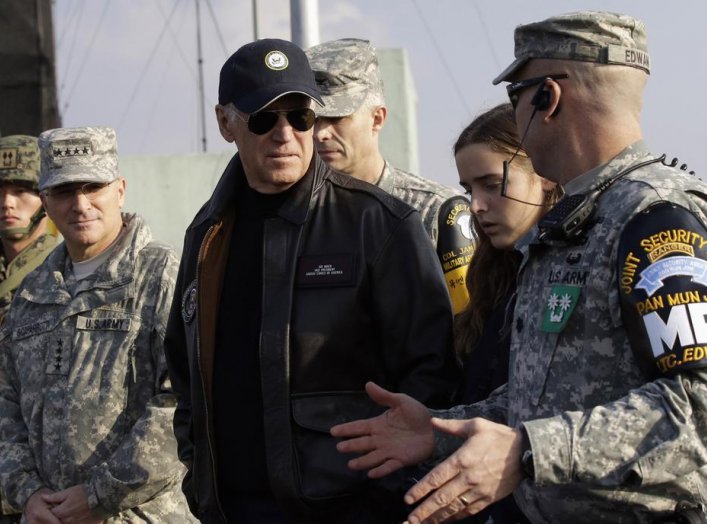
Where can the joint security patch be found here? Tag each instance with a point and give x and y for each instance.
(663, 288)
(189, 302)
(456, 241)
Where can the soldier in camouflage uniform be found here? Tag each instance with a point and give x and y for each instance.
(604, 416)
(24, 232)
(85, 402)
(346, 135)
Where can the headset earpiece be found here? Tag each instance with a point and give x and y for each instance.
(541, 99)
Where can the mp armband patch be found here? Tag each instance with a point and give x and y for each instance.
(456, 240)
(663, 288)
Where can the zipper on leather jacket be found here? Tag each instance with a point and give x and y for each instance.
(209, 437)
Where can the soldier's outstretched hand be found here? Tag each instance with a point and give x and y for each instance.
(401, 436)
(483, 470)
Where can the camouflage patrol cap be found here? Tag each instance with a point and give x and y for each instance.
(80, 154)
(19, 160)
(587, 36)
(346, 71)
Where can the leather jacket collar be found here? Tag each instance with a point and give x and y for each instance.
(233, 180)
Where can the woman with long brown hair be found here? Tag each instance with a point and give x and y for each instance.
(482, 330)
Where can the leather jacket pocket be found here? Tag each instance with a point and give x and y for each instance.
(321, 470)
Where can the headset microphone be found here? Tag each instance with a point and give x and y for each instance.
(541, 101)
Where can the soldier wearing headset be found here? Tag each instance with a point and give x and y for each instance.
(606, 404)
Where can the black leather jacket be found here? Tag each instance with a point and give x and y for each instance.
(352, 292)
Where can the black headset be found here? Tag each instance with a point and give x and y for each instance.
(541, 98)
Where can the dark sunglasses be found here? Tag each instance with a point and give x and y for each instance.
(263, 121)
(515, 88)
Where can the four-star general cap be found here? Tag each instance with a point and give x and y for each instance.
(346, 71)
(587, 36)
(263, 71)
(80, 154)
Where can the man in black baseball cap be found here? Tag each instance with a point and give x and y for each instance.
(261, 72)
(275, 74)
(297, 285)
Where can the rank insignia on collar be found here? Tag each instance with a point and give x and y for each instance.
(559, 307)
(574, 257)
(189, 302)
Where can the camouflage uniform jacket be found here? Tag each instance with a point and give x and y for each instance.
(609, 444)
(33, 253)
(84, 393)
(419, 193)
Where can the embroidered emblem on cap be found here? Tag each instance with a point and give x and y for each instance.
(189, 302)
(8, 158)
(276, 60)
(63, 150)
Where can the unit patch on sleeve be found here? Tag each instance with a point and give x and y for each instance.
(456, 240)
(663, 287)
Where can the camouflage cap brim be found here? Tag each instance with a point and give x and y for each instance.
(75, 174)
(342, 104)
(508, 72)
(586, 36)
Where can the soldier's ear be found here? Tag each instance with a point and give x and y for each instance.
(122, 184)
(380, 113)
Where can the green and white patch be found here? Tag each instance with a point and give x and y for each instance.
(559, 307)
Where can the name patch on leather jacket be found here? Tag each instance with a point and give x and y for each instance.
(325, 270)
(103, 324)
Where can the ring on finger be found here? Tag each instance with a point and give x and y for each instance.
(464, 500)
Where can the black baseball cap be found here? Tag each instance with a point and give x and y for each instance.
(261, 72)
